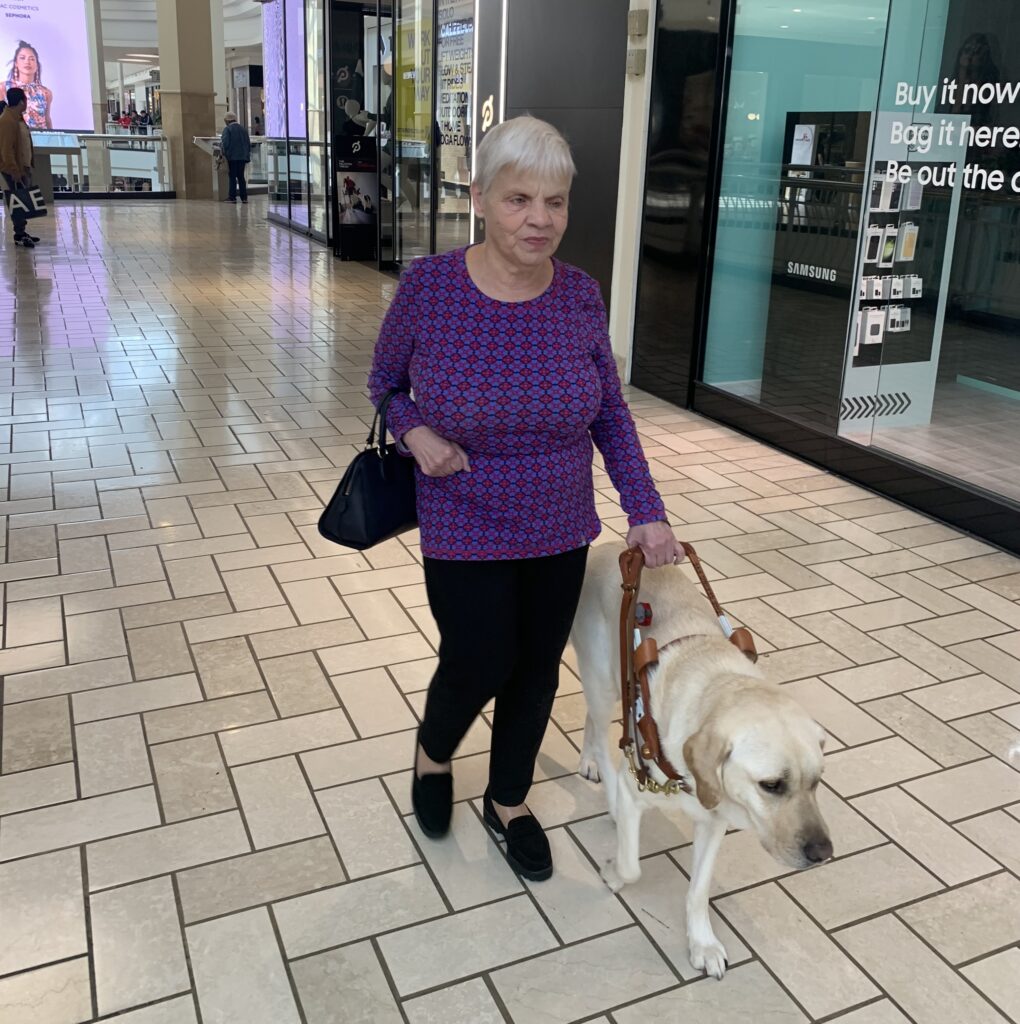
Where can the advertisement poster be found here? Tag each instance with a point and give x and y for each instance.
(42, 51)
(356, 198)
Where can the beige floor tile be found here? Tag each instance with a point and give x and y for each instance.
(95, 635)
(112, 755)
(44, 911)
(882, 614)
(180, 1010)
(467, 865)
(59, 993)
(208, 717)
(922, 984)
(971, 921)
(968, 790)
(164, 849)
(191, 778)
(939, 741)
(875, 766)
(33, 622)
(927, 838)
(298, 684)
(36, 734)
(747, 993)
(991, 660)
(52, 682)
(961, 628)
(289, 736)
(929, 657)
(240, 976)
(470, 1000)
(369, 833)
(315, 601)
(460, 945)
(806, 961)
(840, 635)
(159, 651)
(221, 627)
(996, 977)
(132, 698)
(860, 886)
(82, 821)
(345, 984)
(358, 657)
(869, 682)
(239, 883)
(276, 802)
(138, 949)
(373, 702)
(802, 663)
(41, 787)
(253, 588)
(356, 910)
(839, 716)
(658, 903)
(963, 697)
(997, 834)
(226, 668)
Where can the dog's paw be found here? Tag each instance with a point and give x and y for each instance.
(589, 769)
(709, 957)
(612, 876)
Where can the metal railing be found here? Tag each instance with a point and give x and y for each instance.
(106, 164)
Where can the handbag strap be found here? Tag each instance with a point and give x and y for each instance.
(379, 420)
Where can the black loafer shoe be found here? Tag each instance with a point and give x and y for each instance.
(432, 800)
(527, 847)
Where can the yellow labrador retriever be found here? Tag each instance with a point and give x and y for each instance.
(751, 753)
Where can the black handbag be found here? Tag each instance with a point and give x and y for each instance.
(376, 497)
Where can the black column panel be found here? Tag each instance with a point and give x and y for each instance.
(566, 63)
(680, 194)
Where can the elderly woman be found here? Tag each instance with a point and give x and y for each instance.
(507, 352)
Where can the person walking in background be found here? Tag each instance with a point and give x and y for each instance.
(235, 148)
(16, 159)
(508, 355)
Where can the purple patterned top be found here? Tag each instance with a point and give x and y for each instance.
(524, 388)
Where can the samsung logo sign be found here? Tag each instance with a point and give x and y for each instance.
(806, 270)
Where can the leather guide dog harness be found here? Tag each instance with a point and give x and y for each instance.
(640, 740)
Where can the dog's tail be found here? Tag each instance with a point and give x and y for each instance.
(1014, 755)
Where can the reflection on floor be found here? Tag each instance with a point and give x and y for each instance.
(209, 713)
(973, 436)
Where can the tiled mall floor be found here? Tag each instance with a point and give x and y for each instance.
(208, 713)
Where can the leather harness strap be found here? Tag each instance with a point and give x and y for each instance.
(634, 665)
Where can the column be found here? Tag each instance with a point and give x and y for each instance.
(221, 86)
(186, 91)
(98, 155)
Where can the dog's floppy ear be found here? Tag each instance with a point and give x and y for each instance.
(704, 754)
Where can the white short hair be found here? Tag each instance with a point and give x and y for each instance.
(525, 144)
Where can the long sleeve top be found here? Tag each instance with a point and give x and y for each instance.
(524, 388)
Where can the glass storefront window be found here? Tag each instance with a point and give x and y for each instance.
(315, 39)
(864, 281)
(455, 65)
(802, 92)
(414, 126)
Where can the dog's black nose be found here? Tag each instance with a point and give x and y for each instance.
(818, 850)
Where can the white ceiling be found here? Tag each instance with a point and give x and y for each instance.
(129, 26)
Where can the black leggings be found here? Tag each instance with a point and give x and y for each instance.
(503, 626)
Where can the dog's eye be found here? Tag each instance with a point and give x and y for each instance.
(773, 785)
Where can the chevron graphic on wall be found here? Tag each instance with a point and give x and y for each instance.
(875, 405)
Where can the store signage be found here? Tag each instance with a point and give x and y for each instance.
(42, 51)
(814, 273)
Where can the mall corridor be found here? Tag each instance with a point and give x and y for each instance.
(209, 712)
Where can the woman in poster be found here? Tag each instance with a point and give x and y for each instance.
(26, 74)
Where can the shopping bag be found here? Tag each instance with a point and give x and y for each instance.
(27, 198)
